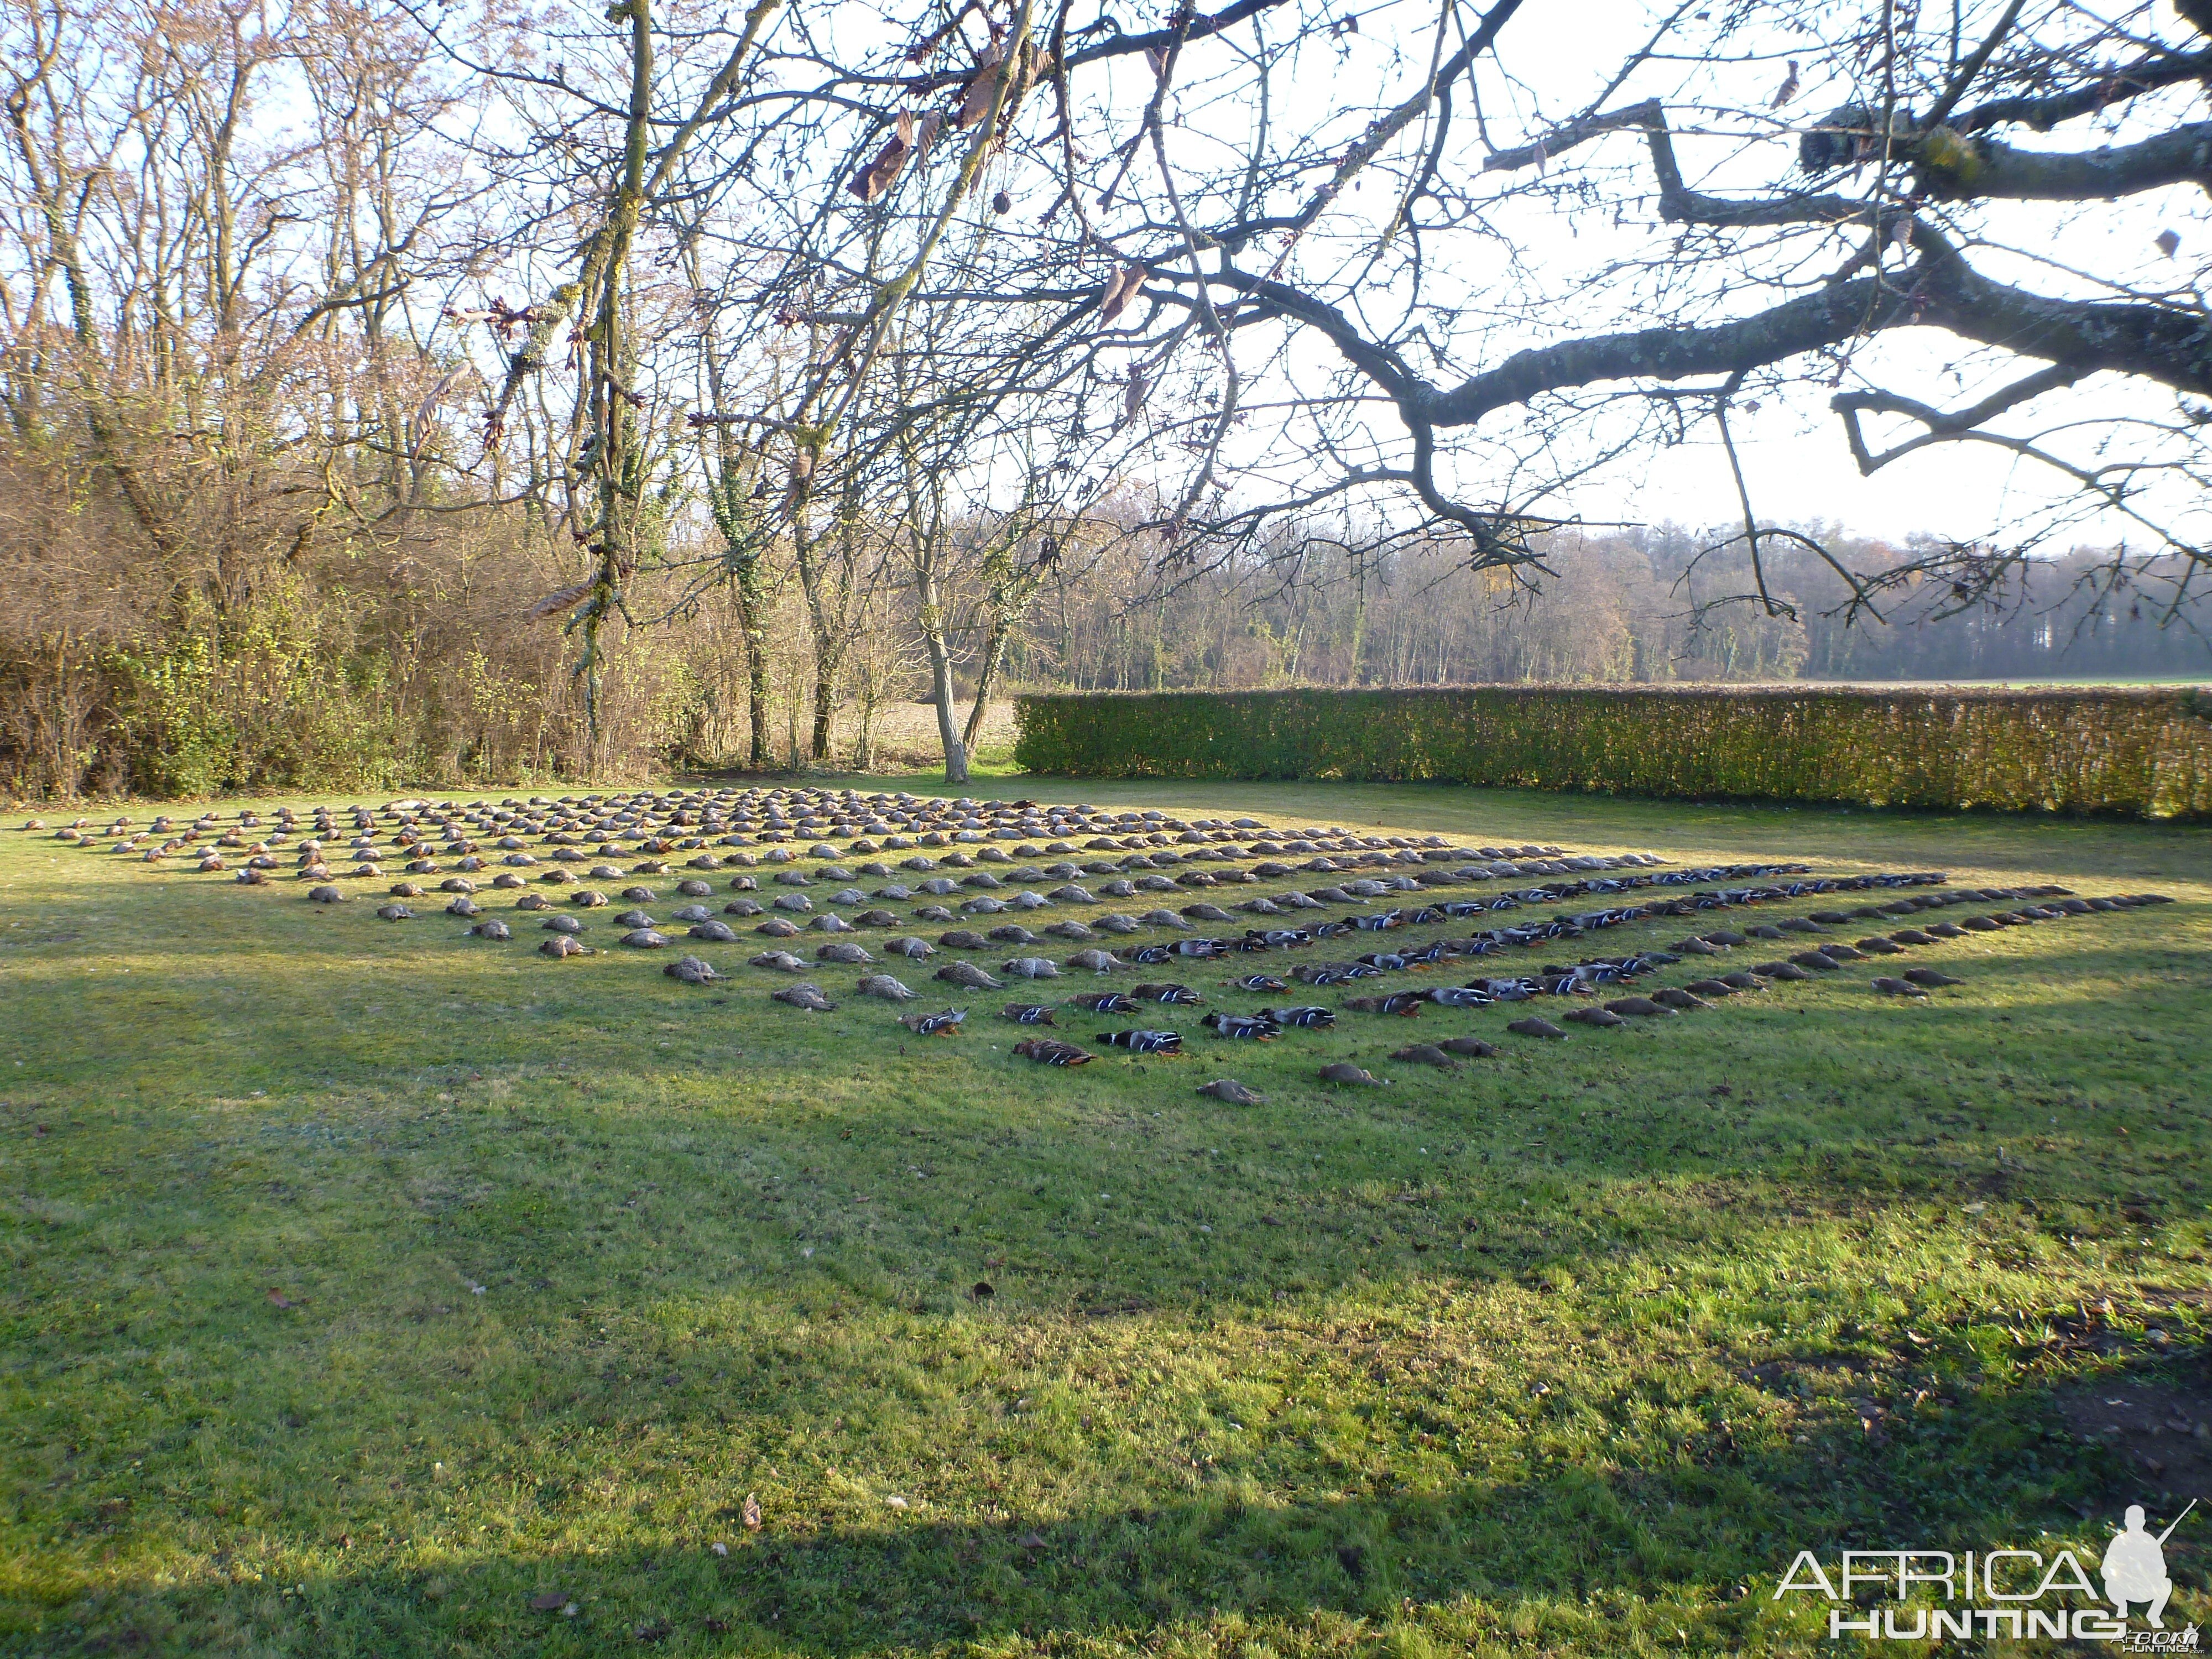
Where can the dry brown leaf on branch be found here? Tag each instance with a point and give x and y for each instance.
(975, 102)
(873, 179)
(1134, 399)
(1121, 289)
(1788, 87)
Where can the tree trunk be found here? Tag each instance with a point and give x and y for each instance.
(825, 710)
(752, 623)
(987, 674)
(931, 620)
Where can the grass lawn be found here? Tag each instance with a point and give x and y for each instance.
(1569, 1351)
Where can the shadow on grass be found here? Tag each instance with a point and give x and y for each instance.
(1596, 1558)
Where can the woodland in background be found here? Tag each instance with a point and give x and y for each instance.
(396, 396)
(414, 657)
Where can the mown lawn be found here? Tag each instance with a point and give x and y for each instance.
(1568, 1351)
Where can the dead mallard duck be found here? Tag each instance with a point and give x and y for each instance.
(1229, 1089)
(691, 971)
(1533, 1026)
(1405, 1004)
(1599, 1017)
(969, 975)
(885, 988)
(806, 996)
(1427, 1054)
(561, 945)
(842, 950)
(1344, 1071)
(1047, 1052)
(781, 961)
(946, 1022)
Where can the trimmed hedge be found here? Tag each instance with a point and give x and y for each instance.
(2144, 753)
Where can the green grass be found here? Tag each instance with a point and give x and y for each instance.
(1567, 1353)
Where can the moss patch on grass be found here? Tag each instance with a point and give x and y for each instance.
(1568, 1351)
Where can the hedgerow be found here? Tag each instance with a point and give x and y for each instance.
(2144, 753)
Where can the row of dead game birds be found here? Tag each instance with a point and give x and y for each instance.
(2044, 904)
(952, 826)
(664, 824)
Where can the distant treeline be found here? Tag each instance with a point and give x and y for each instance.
(1630, 608)
(259, 647)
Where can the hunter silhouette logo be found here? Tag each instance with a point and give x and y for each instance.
(2020, 1595)
(2135, 1567)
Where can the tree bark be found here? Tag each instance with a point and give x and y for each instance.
(931, 623)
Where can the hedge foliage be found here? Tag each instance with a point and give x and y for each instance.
(2139, 752)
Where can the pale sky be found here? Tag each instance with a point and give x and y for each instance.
(1552, 60)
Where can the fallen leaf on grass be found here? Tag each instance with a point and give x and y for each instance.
(278, 1299)
(550, 1601)
(752, 1513)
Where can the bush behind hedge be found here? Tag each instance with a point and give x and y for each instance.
(2144, 752)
